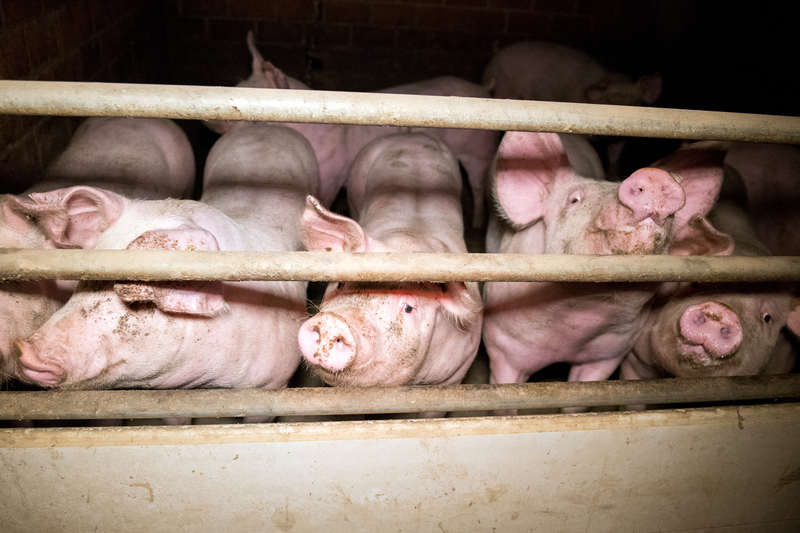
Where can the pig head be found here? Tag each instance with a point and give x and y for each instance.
(716, 329)
(405, 193)
(158, 334)
(548, 209)
(141, 157)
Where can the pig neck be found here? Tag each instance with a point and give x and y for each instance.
(416, 222)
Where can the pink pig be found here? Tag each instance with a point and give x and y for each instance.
(719, 329)
(337, 145)
(181, 334)
(405, 193)
(550, 209)
(141, 157)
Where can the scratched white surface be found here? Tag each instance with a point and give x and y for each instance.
(727, 469)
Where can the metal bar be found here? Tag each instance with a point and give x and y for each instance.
(48, 405)
(284, 105)
(152, 265)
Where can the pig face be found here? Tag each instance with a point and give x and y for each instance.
(371, 334)
(581, 215)
(94, 341)
(641, 215)
(24, 305)
(720, 329)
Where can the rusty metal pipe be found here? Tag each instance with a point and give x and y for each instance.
(152, 265)
(285, 105)
(48, 405)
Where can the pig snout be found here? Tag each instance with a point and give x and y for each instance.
(326, 340)
(33, 367)
(651, 193)
(711, 329)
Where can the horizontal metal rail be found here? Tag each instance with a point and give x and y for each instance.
(285, 105)
(49, 405)
(153, 265)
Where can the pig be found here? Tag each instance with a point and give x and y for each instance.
(549, 209)
(719, 329)
(337, 145)
(404, 192)
(181, 334)
(141, 157)
(770, 173)
(539, 70)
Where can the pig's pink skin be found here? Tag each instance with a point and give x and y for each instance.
(140, 158)
(533, 70)
(148, 158)
(770, 174)
(257, 179)
(405, 193)
(337, 145)
(592, 326)
(669, 347)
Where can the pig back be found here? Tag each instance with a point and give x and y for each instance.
(259, 175)
(408, 181)
(148, 158)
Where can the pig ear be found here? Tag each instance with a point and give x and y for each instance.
(699, 170)
(650, 88)
(73, 217)
(526, 164)
(793, 321)
(324, 231)
(699, 237)
(197, 298)
(461, 308)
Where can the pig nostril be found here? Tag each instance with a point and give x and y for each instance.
(699, 320)
(725, 333)
(16, 349)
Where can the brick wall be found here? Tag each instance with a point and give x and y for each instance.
(69, 40)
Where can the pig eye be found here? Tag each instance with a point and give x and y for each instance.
(695, 286)
(766, 318)
(408, 309)
(575, 198)
(340, 286)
